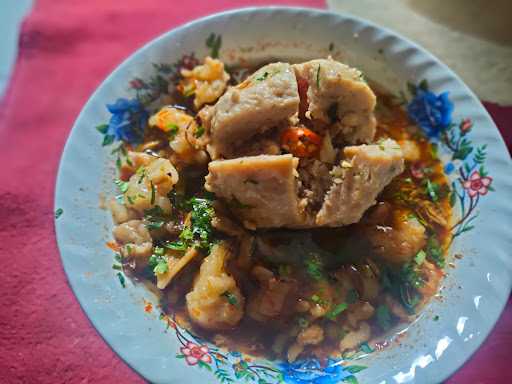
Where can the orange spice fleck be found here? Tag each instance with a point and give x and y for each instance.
(113, 246)
(148, 307)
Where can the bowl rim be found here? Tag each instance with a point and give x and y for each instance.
(304, 12)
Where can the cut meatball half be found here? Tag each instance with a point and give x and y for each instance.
(262, 190)
(358, 180)
(338, 96)
(267, 98)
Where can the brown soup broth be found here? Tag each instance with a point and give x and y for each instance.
(343, 248)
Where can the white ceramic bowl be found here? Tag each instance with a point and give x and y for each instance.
(473, 293)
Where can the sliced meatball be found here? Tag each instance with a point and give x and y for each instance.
(262, 190)
(337, 94)
(358, 181)
(215, 302)
(265, 99)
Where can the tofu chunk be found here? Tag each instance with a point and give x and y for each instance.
(357, 182)
(337, 95)
(262, 190)
(267, 98)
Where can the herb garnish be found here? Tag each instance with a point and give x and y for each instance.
(199, 131)
(230, 297)
(155, 217)
(334, 312)
(176, 245)
(317, 300)
(435, 252)
(58, 212)
(201, 220)
(383, 316)
(122, 185)
(432, 190)
(158, 261)
(420, 257)
(314, 266)
(121, 278)
(318, 77)
(214, 42)
(173, 130)
(200, 232)
(263, 77)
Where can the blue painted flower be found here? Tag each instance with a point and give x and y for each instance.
(449, 168)
(433, 113)
(310, 371)
(128, 120)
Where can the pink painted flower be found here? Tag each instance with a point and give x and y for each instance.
(465, 126)
(477, 185)
(194, 353)
(137, 83)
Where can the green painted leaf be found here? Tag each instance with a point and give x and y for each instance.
(453, 198)
(355, 368)
(411, 88)
(350, 380)
(180, 356)
(202, 364)
(364, 347)
(102, 128)
(107, 140)
(423, 85)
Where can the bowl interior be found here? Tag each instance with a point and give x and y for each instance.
(473, 292)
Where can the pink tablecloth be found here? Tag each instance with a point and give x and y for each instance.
(67, 48)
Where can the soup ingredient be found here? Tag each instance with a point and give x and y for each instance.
(183, 133)
(173, 264)
(215, 301)
(264, 186)
(301, 142)
(252, 107)
(355, 185)
(150, 184)
(270, 299)
(358, 181)
(207, 82)
(338, 95)
(397, 241)
(135, 240)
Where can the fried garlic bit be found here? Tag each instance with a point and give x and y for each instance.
(207, 82)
